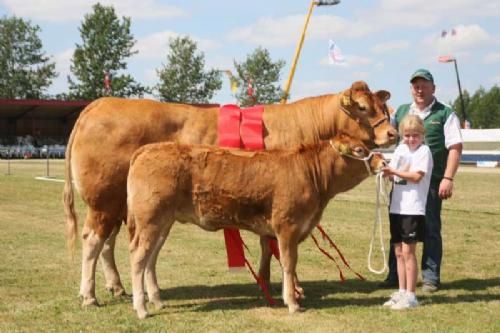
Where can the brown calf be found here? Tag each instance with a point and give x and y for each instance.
(272, 193)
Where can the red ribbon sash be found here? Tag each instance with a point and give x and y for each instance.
(239, 128)
(243, 128)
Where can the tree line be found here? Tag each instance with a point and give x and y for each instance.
(99, 66)
(482, 109)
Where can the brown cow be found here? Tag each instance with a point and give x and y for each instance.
(109, 130)
(279, 193)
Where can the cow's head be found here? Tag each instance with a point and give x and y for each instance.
(349, 147)
(370, 112)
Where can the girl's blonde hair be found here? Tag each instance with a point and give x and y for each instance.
(412, 123)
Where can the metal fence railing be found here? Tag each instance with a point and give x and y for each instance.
(33, 167)
(30, 151)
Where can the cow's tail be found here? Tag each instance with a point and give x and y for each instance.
(69, 197)
(68, 192)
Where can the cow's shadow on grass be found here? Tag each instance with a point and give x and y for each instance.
(321, 294)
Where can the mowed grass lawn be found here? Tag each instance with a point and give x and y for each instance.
(39, 283)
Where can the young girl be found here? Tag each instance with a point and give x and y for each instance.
(410, 170)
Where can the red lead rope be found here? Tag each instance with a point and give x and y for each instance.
(235, 238)
(332, 244)
(262, 284)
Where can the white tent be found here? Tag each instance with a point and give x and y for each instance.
(481, 135)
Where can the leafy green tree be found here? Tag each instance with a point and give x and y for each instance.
(25, 70)
(183, 78)
(482, 108)
(486, 108)
(106, 43)
(263, 74)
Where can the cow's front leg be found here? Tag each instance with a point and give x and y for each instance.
(289, 255)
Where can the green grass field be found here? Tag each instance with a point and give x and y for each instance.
(39, 283)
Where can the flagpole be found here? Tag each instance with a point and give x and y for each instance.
(450, 58)
(297, 53)
(445, 59)
(301, 42)
(464, 115)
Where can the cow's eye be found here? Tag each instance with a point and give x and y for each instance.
(359, 151)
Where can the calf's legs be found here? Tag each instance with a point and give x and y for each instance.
(265, 267)
(265, 261)
(150, 273)
(144, 247)
(289, 254)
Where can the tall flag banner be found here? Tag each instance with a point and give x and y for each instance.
(446, 45)
(334, 54)
(107, 81)
(250, 88)
(233, 82)
(445, 58)
(451, 33)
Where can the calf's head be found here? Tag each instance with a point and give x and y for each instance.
(355, 149)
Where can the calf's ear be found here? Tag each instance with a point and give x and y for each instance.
(383, 95)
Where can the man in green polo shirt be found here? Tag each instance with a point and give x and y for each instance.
(444, 139)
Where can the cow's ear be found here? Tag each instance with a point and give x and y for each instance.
(383, 95)
(346, 100)
(344, 149)
(360, 86)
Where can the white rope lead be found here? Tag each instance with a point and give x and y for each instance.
(381, 191)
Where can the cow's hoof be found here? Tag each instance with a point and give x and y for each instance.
(89, 301)
(158, 304)
(142, 314)
(294, 308)
(118, 292)
(299, 293)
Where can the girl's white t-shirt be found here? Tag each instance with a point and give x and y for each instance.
(410, 198)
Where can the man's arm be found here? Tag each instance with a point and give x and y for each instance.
(446, 185)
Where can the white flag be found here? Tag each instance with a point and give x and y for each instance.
(334, 54)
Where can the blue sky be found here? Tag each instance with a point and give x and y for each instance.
(382, 41)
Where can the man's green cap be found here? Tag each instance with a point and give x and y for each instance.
(422, 73)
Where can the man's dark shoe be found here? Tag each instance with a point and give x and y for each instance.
(387, 284)
(429, 287)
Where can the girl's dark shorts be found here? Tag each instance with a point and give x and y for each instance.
(407, 228)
